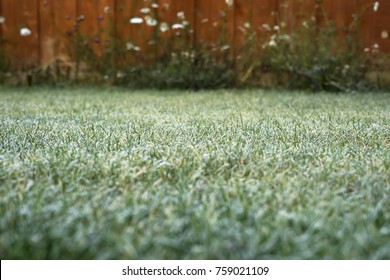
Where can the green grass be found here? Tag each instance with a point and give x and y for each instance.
(110, 174)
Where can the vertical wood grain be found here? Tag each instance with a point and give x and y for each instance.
(375, 25)
(46, 23)
(65, 27)
(23, 52)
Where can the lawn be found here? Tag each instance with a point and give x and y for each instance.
(119, 174)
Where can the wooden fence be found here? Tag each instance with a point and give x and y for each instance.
(51, 21)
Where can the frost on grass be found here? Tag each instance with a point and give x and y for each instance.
(208, 175)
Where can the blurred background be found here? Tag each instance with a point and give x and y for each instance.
(317, 44)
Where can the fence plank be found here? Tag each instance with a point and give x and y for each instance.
(242, 10)
(212, 21)
(265, 15)
(345, 12)
(297, 12)
(171, 12)
(375, 26)
(65, 16)
(106, 21)
(23, 50)
(1, 24)
(88, 23)
(254, 15)
(130, 32)
(47, 31)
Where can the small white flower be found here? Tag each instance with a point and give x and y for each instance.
(150, 21)
(242, 29)
(225, 48)
(107, 9)
(266, 26)
(136, 20)
(131, 47)
(80, 18)
(180, 15)
(247, 25)
(204, 20)
(229, 2)
(304, 24)
(2, 19)
(376, 6)
(145, 10)
(177, 26)
(384, 34)
(272, 43)
(375, 48)
(185, 23)
(284, 37)
(164, 27)
(154, 5)
(346, 67)
(25, 32)
(367, 50)
(276, 28)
